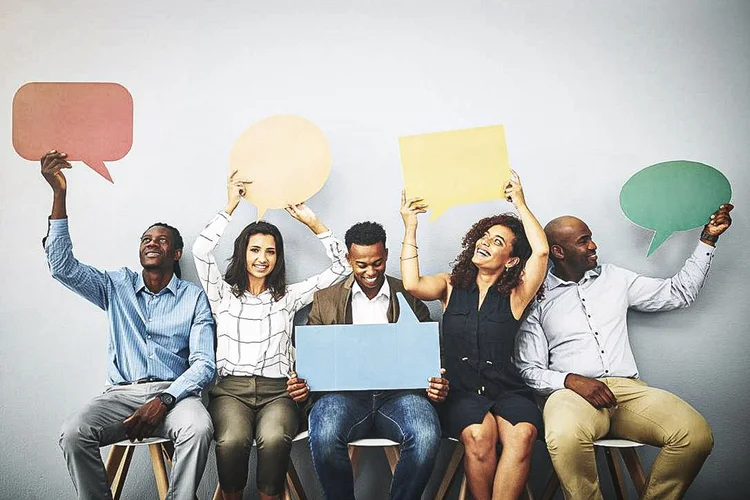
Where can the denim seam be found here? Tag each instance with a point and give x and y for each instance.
(403, 435)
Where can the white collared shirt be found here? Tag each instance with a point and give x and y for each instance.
(370, 311)
(582, 327)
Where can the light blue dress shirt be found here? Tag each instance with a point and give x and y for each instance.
(582, 327)
(167, 335)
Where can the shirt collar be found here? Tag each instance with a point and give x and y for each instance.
(385, 290)
(172, 286)
(553, 281)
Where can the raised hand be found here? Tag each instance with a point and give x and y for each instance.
(718, 223)
(594, 391)
(236, 189)
(306, 216)
(297, 388)
(52, 165)
(410, 208)
(514, 190)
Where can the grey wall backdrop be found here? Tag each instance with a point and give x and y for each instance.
(589, 93)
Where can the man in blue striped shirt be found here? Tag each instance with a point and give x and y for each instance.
(160, 353)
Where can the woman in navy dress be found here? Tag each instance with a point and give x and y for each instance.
(496, 276)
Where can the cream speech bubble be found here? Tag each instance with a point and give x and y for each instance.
(456, 167)
(286, 157)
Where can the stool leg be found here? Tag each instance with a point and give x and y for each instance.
(392, 454)
(633, 463)
(217, 494)
(354, 458)
(168, 449)
(527, 494)
(450, 471)
(118, 463)
(160, 471)
(462, 491)
(614, 470)
(293, 484)
(553, 483)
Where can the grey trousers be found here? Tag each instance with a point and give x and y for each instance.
(99, 423)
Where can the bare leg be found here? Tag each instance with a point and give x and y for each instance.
(513, 468)
(480, 459)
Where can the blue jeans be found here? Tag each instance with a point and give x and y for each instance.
(409, 419)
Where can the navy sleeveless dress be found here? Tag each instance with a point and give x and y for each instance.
(478, 347)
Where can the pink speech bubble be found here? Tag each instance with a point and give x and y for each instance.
(91, 122)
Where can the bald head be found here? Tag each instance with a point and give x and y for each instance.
(571, 248)
(560, 228)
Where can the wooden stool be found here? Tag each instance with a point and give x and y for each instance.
(120, 455)
(391, 449)
(292, 484)
(612, 447)
(452, 470)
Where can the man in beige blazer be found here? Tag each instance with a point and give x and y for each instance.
(368, 296)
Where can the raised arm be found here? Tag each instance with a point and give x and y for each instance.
(536, 267)
(681, 290)
(208, 270)
(85, 280)
(434, 287)
(302, 293)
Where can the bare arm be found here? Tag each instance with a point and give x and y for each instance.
(536, 267)
(422, 287)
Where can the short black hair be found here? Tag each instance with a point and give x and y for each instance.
(177, 243)
(364, 233)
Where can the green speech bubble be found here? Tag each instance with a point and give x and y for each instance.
(673, 196)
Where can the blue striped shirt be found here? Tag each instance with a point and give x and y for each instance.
(167, 335)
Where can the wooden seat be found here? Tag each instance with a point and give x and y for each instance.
(390, 448)
(292, 484)
(120, 455)
(626, 449)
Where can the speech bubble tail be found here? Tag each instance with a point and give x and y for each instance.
(435, 213)
(659, 238)
(100, 168)
(405, 314)
(261, 213)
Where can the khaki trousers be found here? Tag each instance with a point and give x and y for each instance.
(644, 414)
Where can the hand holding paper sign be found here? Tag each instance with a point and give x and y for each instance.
(438, 388)
(717, 224)
(402, 355)
(297, 388)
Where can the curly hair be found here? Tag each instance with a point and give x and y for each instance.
(464, 272)
(364, 233)
(236, 274)
(177, 243)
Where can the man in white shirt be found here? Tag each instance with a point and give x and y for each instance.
(574, 348)
(368, 296)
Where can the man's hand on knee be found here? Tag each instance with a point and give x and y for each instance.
(594, 391)
(144, 421)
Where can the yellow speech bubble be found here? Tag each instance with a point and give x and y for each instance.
(457, 167)
(286, 157)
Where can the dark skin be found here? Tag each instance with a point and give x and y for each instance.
(368, 267)
(157, 256)
(573, 252)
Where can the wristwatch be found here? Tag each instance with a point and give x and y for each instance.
(167, 399)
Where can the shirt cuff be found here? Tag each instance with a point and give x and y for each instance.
(226, 215)
(557, 381)
(325, 234)
(58, 227)
(703, 250)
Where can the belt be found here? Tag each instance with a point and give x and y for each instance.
(144, 380)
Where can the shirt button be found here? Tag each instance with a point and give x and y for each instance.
(606, 371)
(586, 315)
(149, 336)
(583, 299)
(150, 356)
(602, 352)
(596, 333)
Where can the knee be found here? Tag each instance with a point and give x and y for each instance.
(520, 440)
(198, 428)
(424, 440)
(274, 441)
(325, 427)
(563, 435)
(696, 438)
(479, 441)
(74, 434)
